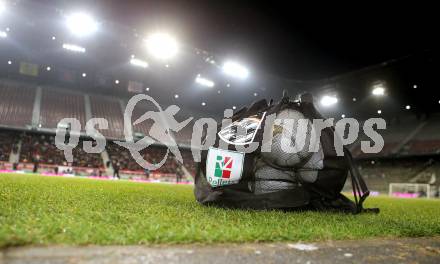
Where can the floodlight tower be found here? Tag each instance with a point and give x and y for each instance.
(328, 100)
(81, 24)
(162, 46)
(378, 89)
(235, 69)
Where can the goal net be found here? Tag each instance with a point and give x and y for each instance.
(410, 190)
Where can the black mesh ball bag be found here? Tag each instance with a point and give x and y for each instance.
(275, 179)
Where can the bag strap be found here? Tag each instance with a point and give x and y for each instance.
(360, 189)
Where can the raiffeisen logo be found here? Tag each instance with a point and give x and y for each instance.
(291, 132)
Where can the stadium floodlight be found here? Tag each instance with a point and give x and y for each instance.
(74, 48)
(378, 90)
(235, 69)
(203, 104)
(204, 82)
(162, 46)
(3, 34)
(81, 24)
(138, 63)
(379, 112)
(328, 100)
(408, 107)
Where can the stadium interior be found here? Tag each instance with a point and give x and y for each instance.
(188, 131)
(47, 75)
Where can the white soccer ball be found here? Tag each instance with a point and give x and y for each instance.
(287, 150)
(268, 179)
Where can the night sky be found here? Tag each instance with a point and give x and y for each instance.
(288, 39)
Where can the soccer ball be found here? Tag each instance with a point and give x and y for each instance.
(281, 140)
(268, 179)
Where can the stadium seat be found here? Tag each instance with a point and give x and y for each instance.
(56, 105)
(110, 109)
(16, 104)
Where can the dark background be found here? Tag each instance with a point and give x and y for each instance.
(327, 49)
(286, 38)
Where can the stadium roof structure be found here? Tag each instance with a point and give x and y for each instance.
(36, 33)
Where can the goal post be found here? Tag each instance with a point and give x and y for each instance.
(410, 190)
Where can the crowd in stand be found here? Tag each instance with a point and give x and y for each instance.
(152, 154)
(83, 159)
(8, 144)
(41, 148)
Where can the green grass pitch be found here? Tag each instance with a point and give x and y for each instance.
(36, 210)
